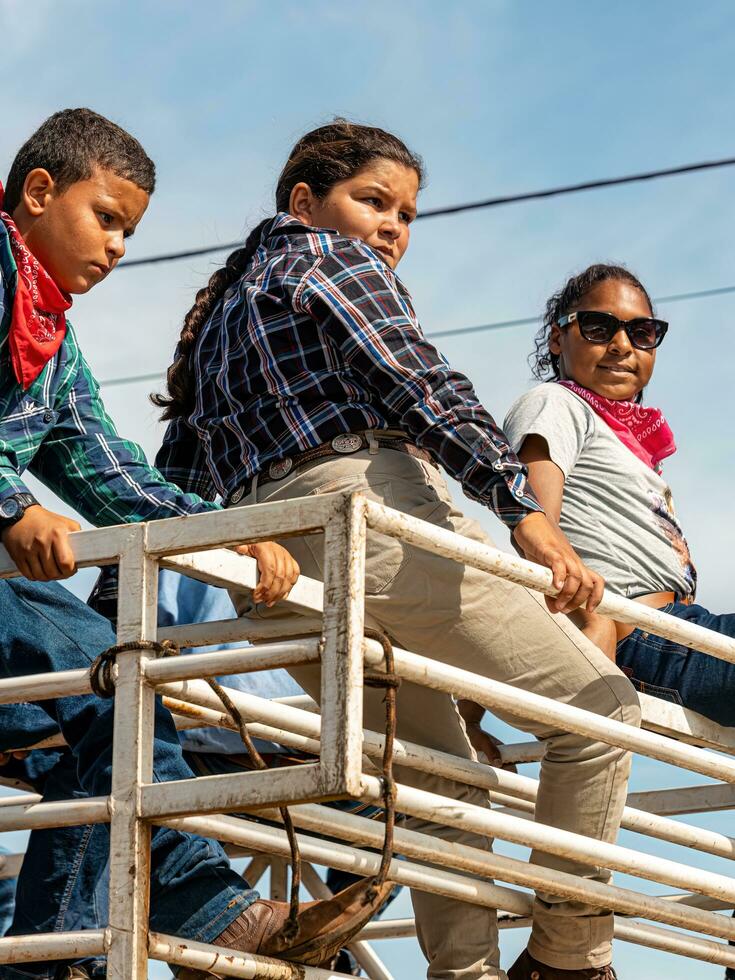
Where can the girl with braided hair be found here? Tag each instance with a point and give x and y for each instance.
(302, 369)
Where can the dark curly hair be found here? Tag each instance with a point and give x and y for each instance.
(321, 159)
(69, 145)
(544, 364)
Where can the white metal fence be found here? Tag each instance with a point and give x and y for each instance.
(336, 738)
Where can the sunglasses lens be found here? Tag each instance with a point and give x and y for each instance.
(646, 334)
(597, 329)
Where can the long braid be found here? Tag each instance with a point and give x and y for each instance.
(180, 375)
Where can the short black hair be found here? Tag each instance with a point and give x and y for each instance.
(70, 144)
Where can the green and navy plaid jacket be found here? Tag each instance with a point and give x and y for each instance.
(59, 430)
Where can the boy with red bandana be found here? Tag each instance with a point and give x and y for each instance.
(76, 190)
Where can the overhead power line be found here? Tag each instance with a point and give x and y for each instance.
(525, 321)
(489, 202)
(460, 331)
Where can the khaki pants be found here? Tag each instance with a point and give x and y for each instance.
(464, 617)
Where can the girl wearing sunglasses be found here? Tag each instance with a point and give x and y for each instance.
(594, 452)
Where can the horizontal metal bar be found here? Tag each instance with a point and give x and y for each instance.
(271, 840)
(668, 941)
(406, 928)
(238, 630)
(229, 570)
(440, 541)
(54, 946)
(474, 890)
(20, 799)
(525, 704)
(60, 813)
(302, 730)
(389, 929)
(236, 525)
(550, 840)
(708, 798)
(266, 657)
(101, 546)
(230, 792)
(698, 901)
(470, 859)
(225, 963)
(516, 753)
(685, 725)
(40, 687)
(197, 716)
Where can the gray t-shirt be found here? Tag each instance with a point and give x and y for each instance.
(617, 513)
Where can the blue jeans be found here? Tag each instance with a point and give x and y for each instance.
(674, 672)
(44, 628)
(70, 861)
(7, 899)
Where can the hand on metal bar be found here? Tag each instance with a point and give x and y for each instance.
(542, 542)
(277, 570)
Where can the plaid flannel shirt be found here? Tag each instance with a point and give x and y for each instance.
(58, 430)
(320, 338)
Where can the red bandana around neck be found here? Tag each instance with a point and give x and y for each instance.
(643, 430)
(38, 324)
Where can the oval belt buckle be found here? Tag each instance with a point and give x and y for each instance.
(346, 443)
(280, 468)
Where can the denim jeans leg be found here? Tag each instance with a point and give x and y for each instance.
(69, 862)
(194, 892)
(7, 900)
(671, 671)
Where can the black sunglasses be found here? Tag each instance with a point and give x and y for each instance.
(644, 332)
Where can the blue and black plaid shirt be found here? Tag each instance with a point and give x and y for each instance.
(318, 338)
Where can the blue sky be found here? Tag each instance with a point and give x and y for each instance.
(498, 97)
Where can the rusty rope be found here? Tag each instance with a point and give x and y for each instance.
(390, 682)
(291, 927)
(103, 685)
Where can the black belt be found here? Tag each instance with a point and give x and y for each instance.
(343, 445)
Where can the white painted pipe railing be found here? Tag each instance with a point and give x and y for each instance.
(336, 739)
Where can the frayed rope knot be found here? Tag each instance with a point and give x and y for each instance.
(100, 673)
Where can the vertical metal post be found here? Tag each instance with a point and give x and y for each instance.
(132, 764)
(342, 657)
(279, 879)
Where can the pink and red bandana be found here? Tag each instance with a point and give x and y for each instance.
(643, 430)
(38, 324)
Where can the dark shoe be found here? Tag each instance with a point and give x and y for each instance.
(345, 962)
(324, 928)
(527, 968)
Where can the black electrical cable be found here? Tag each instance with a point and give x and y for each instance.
(480, 328)
(489, 202)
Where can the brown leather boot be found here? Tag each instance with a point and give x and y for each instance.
(324, 928)
(527, 968)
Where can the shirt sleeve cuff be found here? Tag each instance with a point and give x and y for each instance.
(520, 508)
(10, 482)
